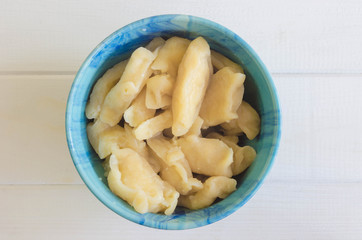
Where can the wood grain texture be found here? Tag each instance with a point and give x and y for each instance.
(321, 115)
(278, 211)
(290, 36)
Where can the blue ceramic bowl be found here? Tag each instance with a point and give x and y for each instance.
(260, 93)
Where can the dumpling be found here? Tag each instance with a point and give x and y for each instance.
(153, 126)
(155, 43)
(94, 129)
(132, 178)
(175, 168)
(170, 55)
(195, 128)
(206, 156)
(159, 91)
(131, 83)
(243, 156)
(214, 187)
(138, 112)
(248, 122)
(223, 97)
(219, 61)
(192, 80)
(101, 89)
(231, 128)
(104, 139)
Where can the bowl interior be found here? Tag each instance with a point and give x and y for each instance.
(259, 92)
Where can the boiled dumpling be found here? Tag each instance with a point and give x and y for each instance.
(192, 80)
(170, 56)
(219, 61)
(214, 187)
(206, 156)
(243, 156)
(153, 126)
(248, 122)
(131, 83)
(155, 44)
(138, 112)
(101, 89)
(223, 97)
(195, 128)
(133, 179)
(159, 91)
(175, 168)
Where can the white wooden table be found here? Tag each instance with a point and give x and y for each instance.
(314, 52)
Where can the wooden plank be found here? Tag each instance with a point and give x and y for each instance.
(321, 122)
(321, 118)
(32, 126)
(277, 211)
(290, 36)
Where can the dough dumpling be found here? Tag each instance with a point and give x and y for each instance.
(248, 121)
(175, 168)
(159, 91)
(129, 86)
(192, 80)
(219, 61)
(155, 43)
(231, 128)
(153, 126)
(94, 129)
(170, 56)
(207, 156)
(214, 187)
(195, 128)
(133, 179)
(243, 156)
(104, 139)
(223, 97)
(138, 112)
(101, 89)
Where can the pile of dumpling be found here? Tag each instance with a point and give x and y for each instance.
(167, 125)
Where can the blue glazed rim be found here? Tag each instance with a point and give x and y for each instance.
(81, 156)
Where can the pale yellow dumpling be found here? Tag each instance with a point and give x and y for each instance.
(193, 77)
(159, 91)
(219, 61)
(231, 128)
(206, 156)
(243, 156)
(175, 168)
(153, 126)
(133, 179)
(248, 120)
(131, 83)
(195, 128)
(108, 140)
(101, 89)
(155, 44)
(94, 129)
(104, 139)
(214, 187)
(138, 112)
(170, 55)
(223, 97)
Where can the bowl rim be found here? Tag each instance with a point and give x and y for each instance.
(263, 174)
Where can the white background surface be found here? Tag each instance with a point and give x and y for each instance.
(313, 50)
